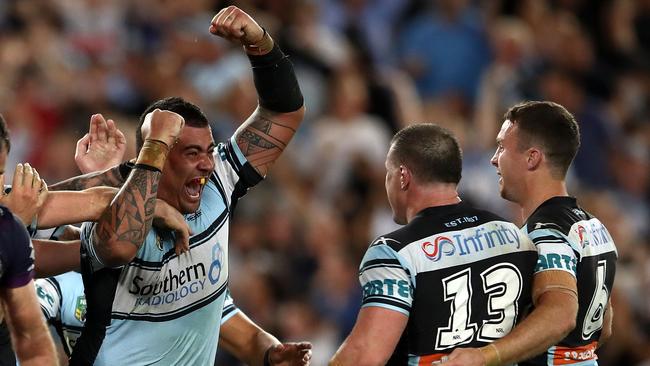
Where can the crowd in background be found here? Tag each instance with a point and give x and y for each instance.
(366, 68)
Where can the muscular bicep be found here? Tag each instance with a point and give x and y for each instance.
(265, 135)
(559, 282)
(373, 338)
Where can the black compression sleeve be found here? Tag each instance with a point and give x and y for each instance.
(275, 81)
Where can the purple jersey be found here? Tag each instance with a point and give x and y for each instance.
(16, 252)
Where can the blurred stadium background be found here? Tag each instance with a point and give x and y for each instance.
(366, 67)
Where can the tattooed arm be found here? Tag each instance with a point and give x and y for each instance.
(266, 133)
(110, 177)
(123, 226)
(264, 136)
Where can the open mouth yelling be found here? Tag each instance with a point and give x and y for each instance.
(193, 188)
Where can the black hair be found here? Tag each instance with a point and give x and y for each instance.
(431, 152)
(552, 127)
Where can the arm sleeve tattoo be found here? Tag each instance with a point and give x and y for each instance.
(111, 177)
(262, 140)
(128, 218)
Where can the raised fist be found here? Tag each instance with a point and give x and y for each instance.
(234, 24)
(162, 125)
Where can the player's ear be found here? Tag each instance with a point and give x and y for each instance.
(534, 157)
(404, 177)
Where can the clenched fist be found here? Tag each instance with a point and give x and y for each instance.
(234, 24)
(163, 126)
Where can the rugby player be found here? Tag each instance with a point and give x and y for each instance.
(63, 303)
(145, 303)
(29, 336)
(577, 256)
(453, 276)
(62, 297)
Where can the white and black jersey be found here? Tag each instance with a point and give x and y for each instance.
(461, 275)
(570, 239)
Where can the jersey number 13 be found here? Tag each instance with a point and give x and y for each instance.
(502, 286)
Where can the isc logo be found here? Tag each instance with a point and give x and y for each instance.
(440, 245)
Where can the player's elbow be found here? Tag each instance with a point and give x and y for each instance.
(566, 326)
(562, 309)
(565, 320)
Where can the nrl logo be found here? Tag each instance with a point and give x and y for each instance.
(80, 309)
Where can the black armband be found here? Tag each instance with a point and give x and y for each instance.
(275, 81)
(125, 169)
(146, 167)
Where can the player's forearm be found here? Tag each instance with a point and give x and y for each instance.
(30, 337)
(358, 351)
(253, 350)
(553, 318)
(245, 340)
(124, 224)
(111, 178)
(264, 135)
(263, 342)
(274, 77)
(54, 257)
(70, 207)
(347, 354)
(36, 348)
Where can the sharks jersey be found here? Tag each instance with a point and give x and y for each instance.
(570, 239)
(162, 308)
(63, 303)
(461, 275)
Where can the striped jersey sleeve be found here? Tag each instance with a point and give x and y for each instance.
(234, 172)
(386, 279)
(229, 308)
(554, 250)
(89, 256)
(49, 298)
